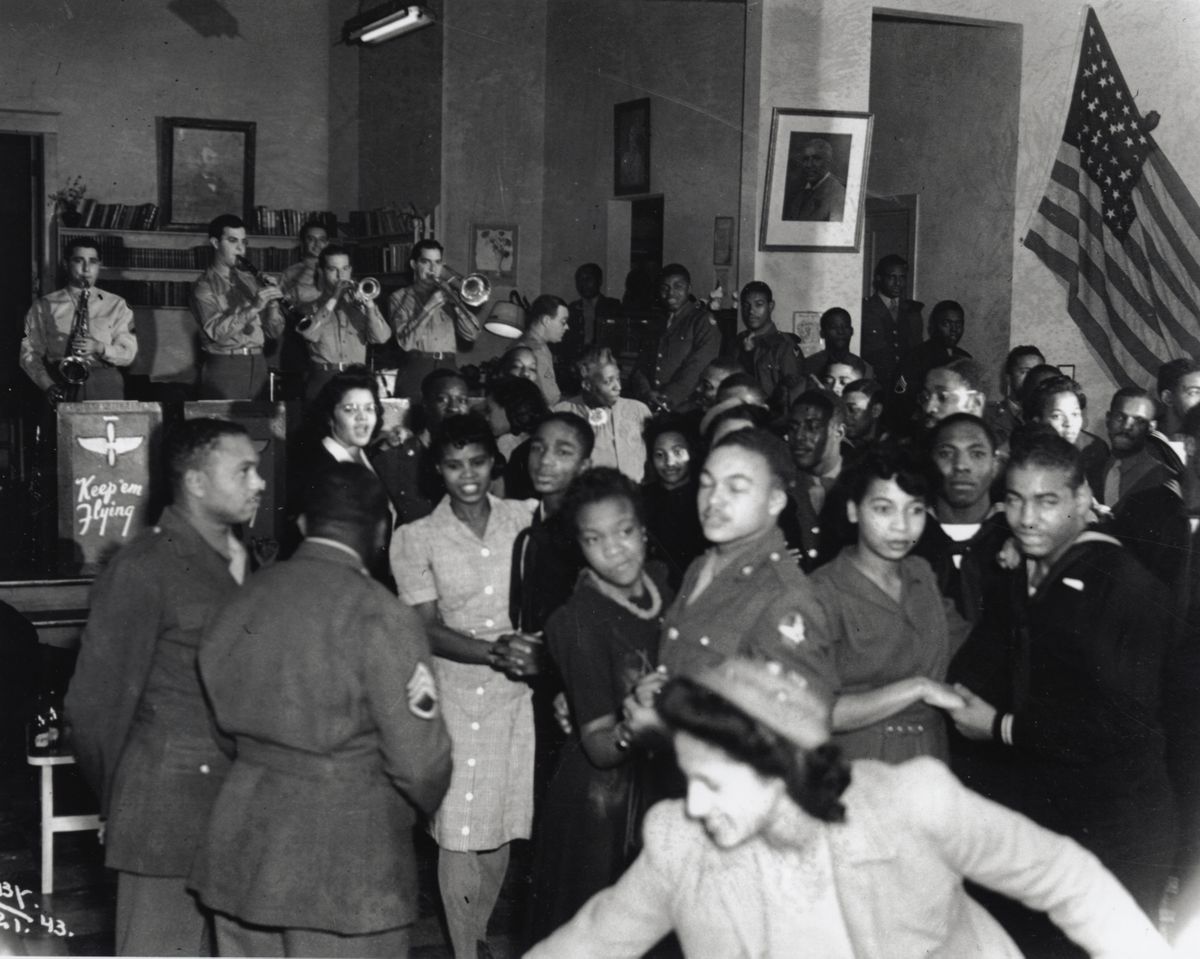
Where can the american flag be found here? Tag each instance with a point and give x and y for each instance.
(1118, 226)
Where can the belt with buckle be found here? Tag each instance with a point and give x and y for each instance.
(339, 367)
(243, 351)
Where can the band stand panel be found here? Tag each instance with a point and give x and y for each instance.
(107, 489)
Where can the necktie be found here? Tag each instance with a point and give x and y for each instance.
(1112, 485)
(893, 307)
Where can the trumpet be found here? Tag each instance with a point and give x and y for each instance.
(472, 290)
(367, 288)
(363, 291)
(73, 369)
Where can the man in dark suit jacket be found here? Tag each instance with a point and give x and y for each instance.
(891, 324)
(585, 318)
(325, 682)
(141, 730)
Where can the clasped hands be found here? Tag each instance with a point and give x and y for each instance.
(972, 716)
(517, 655)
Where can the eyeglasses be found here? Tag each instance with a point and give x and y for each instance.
(351, 408)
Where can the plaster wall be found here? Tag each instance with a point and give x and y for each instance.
(493, 129)
(687, 57)
(274, 70)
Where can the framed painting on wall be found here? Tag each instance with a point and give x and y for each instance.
(631, 147)
(206, 168)
(494, 251)
(816, 180)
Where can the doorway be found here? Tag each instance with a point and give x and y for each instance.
(891, 227)
(945, 94)
(25, 503)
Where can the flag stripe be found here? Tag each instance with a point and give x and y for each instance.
(1118, 225)
(1107, 293)
(1095, 332)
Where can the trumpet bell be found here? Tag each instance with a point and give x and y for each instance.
(367, 288)
(475, 289)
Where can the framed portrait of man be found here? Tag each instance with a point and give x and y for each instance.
(816, 180)
(206, 168)
(631, 147)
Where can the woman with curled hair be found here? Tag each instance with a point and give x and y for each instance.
(616, 421)
(891, 630)
(514, 407)
(343, 425)
(1059, 402)
(782, 848)
(602, 641)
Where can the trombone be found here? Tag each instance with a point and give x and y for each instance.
(472, 290)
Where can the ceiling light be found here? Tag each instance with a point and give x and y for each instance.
(384, 22)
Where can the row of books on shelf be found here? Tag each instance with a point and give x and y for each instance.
(388, 258)
(383, 222)
(268, 222)
(152, 292)
(117, 216)
(115, 254)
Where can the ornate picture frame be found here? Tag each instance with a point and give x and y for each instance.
(206, 168)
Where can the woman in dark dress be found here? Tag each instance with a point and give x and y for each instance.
(672, 520)
(603, 640)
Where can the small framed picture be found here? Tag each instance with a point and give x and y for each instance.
(631, 147)
(494, 250)
(816, 180)
(723, 241)
(806, 325)
(206, 168)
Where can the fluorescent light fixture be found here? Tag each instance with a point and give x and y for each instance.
(384, 22)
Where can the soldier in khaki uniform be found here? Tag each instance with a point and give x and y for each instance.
(324, 680)
(765, 352)
(141, 729)
(689, 342)
(745, 595)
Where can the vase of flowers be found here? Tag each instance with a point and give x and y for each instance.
(66, 201)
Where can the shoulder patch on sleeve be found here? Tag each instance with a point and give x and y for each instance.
(791, 629)
(422, 693)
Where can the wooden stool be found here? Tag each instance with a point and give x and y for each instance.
(50, 822)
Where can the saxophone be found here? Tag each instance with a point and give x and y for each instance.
(74, 369)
